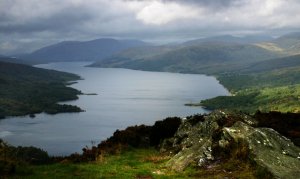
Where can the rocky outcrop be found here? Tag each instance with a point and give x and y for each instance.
(267, 149)
(201, 140)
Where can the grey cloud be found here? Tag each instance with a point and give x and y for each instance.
(25, 25)
(212, 3)
(65, 19)
(204, 3)
(58, 22)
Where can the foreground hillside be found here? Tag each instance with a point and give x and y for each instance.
(28, 90)
(223, 144)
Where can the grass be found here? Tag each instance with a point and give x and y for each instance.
(283, 99)
(135, 163)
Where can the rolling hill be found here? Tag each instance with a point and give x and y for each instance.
(205, 58)
(81, 51)
(230, 39)
(273, 64)
(286, 44)
(212, 55)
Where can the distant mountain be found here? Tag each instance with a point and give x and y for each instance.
(204, 58)
(290, 42)
(137, 53)
(286, 44)
(295, 36)
(81, 51)
(231, 39)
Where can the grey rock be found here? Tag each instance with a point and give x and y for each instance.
(197, 139)
(267, 148)
(192, 142)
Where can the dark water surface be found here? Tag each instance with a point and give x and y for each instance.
(125, 97)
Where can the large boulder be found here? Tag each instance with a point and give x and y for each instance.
(267, 149)
(204, 139)
(193, 141)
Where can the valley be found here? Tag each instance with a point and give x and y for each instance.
(150, 89)
(254, 73)
(261, 76)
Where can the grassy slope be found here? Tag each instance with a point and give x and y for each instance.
(269, 85)
(142, 161)
(26, 90)
(135, 163)
(284, 99)
(127, 154)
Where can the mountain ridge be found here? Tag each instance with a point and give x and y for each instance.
(80, 50)
(204, 58)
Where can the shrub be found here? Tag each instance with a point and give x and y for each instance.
(164, 129)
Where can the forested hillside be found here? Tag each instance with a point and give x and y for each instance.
(29, 90)
(268, 85)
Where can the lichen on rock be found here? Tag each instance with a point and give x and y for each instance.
(267, 148)
(203, 139)
(192, 143)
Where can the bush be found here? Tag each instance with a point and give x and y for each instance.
(164, 129)
(32, 155)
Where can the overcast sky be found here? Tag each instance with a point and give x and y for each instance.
(26, 25)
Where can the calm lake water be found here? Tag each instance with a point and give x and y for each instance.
(125, 97)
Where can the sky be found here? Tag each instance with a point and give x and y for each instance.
(26, 25)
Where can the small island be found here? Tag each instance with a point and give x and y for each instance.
(90, 94)
(193, 104)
